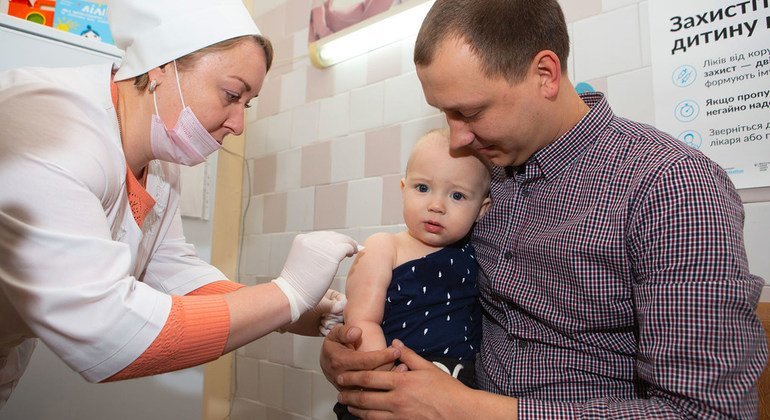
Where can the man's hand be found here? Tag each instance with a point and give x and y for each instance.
(338, 354)
(422, 392)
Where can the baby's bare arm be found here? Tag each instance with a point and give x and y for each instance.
(366, 289)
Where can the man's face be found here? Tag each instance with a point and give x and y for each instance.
(503, 121)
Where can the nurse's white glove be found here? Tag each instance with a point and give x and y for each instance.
(310, 268)
(332, 306)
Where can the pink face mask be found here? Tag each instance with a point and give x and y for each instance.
(188, 143)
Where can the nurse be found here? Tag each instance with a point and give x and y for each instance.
(93, 260)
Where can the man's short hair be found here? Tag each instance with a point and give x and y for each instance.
(505, 34)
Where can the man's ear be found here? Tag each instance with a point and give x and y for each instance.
(548, 69)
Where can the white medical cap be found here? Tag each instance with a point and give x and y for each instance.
(152, 33)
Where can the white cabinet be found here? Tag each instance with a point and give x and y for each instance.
(25, 43)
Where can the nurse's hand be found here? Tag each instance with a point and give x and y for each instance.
(338, 354)
(325, 316)
(310, 268)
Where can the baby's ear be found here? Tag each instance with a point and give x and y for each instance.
(484, 207)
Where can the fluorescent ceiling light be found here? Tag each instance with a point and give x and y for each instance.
(393, 25)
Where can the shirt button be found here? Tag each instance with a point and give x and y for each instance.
(525, 192)
(508, 255)
(522, 344)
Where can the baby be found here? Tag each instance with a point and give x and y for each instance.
(419, 285)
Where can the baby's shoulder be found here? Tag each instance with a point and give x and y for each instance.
(381, 239)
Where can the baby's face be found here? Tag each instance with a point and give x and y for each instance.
(443, 195)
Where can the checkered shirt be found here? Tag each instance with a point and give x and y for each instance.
(614, 280)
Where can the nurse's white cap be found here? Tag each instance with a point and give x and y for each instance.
(153, 33)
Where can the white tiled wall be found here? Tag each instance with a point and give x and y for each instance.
(361, 118)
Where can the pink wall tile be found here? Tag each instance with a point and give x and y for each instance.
(272, 24)
(316, 164)
(269, 101)
(264, 170)
(383, 151)
(275, 213)
(330, 201)
(392, 213)
(320, 83)
(284, 50)
(297, 15)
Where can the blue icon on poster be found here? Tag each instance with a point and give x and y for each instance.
(686, 110)
(691, 138)
(684, 75)
(584, 87)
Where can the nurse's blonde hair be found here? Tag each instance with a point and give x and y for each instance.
(142, 81)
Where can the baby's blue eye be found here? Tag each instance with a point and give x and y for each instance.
(422, 188)
(457, 196)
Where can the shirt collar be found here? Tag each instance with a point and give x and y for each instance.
(559, 155)
(551, 160)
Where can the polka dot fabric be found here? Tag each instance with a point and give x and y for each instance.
(432, 304)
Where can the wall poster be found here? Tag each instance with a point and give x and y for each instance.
(711, 78)
(330, 16)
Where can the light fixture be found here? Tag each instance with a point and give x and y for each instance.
(392, 25)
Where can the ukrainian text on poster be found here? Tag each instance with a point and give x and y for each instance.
(711, 73)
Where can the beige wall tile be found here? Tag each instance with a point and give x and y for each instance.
(293, 88)
(316, 164)
(247, 378)
(404, 99)
(330, 206)
(297, 15)
(366, 107)
(270, 384)
(288, 170)
(272, 23)
(392, 205)
(364, 203)
(320, 83)
(307, 350)
(263, 173)
(269, 101)
(304, 124)
(324, 398)
(244, 409)
(577, 10)
(383, 151)
(334, 120)
(297, 391)
(348, 157)
(275, 213)
(281, 348)
(300, 205)
(384, 63)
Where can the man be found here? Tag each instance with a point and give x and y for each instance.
(613, 276)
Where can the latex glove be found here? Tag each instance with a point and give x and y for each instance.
(331, 307)
(310, 268)
(322, 318)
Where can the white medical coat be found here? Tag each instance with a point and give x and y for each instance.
(75, 269)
